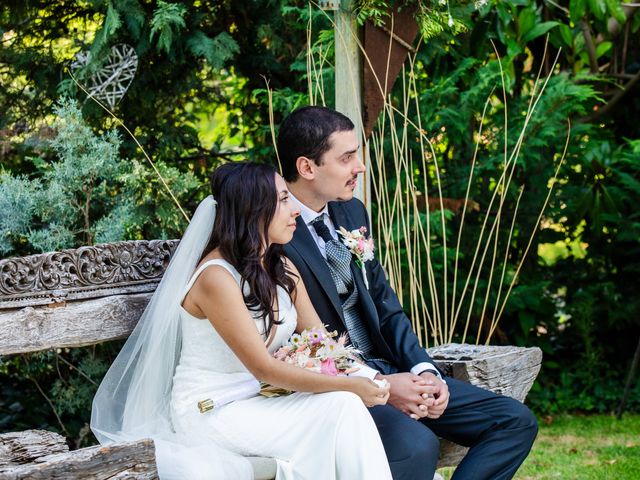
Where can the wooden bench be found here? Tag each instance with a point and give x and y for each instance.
(89, 295)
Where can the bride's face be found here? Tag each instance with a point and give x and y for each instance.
(283, 223)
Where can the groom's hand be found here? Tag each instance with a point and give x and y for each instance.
(440, 395)
(410, 393)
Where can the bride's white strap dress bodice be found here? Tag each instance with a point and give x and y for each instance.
(202, 346)
(207, 365)
(327, 436)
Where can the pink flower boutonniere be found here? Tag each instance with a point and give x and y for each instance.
(360, 246)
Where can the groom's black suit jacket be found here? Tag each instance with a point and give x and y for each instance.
(390, 329)
(499, 429)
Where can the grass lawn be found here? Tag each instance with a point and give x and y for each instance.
(597, 447)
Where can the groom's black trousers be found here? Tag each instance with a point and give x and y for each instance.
(499, 431)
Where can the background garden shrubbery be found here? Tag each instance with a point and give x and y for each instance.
(69, 177)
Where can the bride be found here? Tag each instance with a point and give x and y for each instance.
(227, 301)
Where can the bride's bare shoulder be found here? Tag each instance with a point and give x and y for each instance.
(213, 283)
(215, 275)
(212, 255)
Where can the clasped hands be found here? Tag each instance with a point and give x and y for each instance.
(418, 396)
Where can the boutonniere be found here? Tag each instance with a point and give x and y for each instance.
(360, 246)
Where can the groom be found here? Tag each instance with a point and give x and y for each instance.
(318, 151)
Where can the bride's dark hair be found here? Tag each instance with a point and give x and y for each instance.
(247, 201)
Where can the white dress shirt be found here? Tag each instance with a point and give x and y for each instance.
(308, 215)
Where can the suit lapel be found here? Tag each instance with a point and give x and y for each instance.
(339, 217)
(304, 243)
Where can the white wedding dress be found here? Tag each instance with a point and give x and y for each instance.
(311, 436)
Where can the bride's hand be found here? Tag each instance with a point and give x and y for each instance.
(370, 392)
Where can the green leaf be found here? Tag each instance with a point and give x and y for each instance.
(112, 21)
(216, 50)
(513, 48)
(527, 321)
(577, 9)
(566, 34)
(598, 8)
(603, 48)
(629, 181)
(167, 21)
(110, 26)
(133, 15)
(504, 14)
(538, 30)
(526, 21)
(616, 11)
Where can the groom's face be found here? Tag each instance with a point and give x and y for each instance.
(335, 178)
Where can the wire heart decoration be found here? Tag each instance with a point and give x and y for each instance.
(110, 82)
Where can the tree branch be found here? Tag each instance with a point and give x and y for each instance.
(611, 103)
(591, 48)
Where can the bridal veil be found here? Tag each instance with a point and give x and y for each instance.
(133, 400)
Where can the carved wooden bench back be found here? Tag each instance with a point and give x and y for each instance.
(78, 296)
(94, 294)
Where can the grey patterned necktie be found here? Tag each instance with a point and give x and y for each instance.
(338, 257)
(339, 262)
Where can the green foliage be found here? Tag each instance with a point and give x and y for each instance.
(88, 194)
(580, 307)
(167, 22)
(53, 390)
(559, 391)
(218, 51)
(598, 321)
(154, 215)
(433, 18)
(376, 11)
(62, 199)
(74, 393)
(17, 203)
(187, 51)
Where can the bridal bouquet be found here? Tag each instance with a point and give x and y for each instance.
(315, 350)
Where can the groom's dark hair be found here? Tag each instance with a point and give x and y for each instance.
(305, 133)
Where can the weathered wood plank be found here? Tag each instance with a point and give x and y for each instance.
(507, 370)
(130, 460)
(72, 324)
(451, 454)
(29, 445)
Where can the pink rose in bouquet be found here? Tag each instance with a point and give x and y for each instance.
(316, 350)
(328, 367)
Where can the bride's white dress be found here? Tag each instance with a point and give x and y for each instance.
(311, 436)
